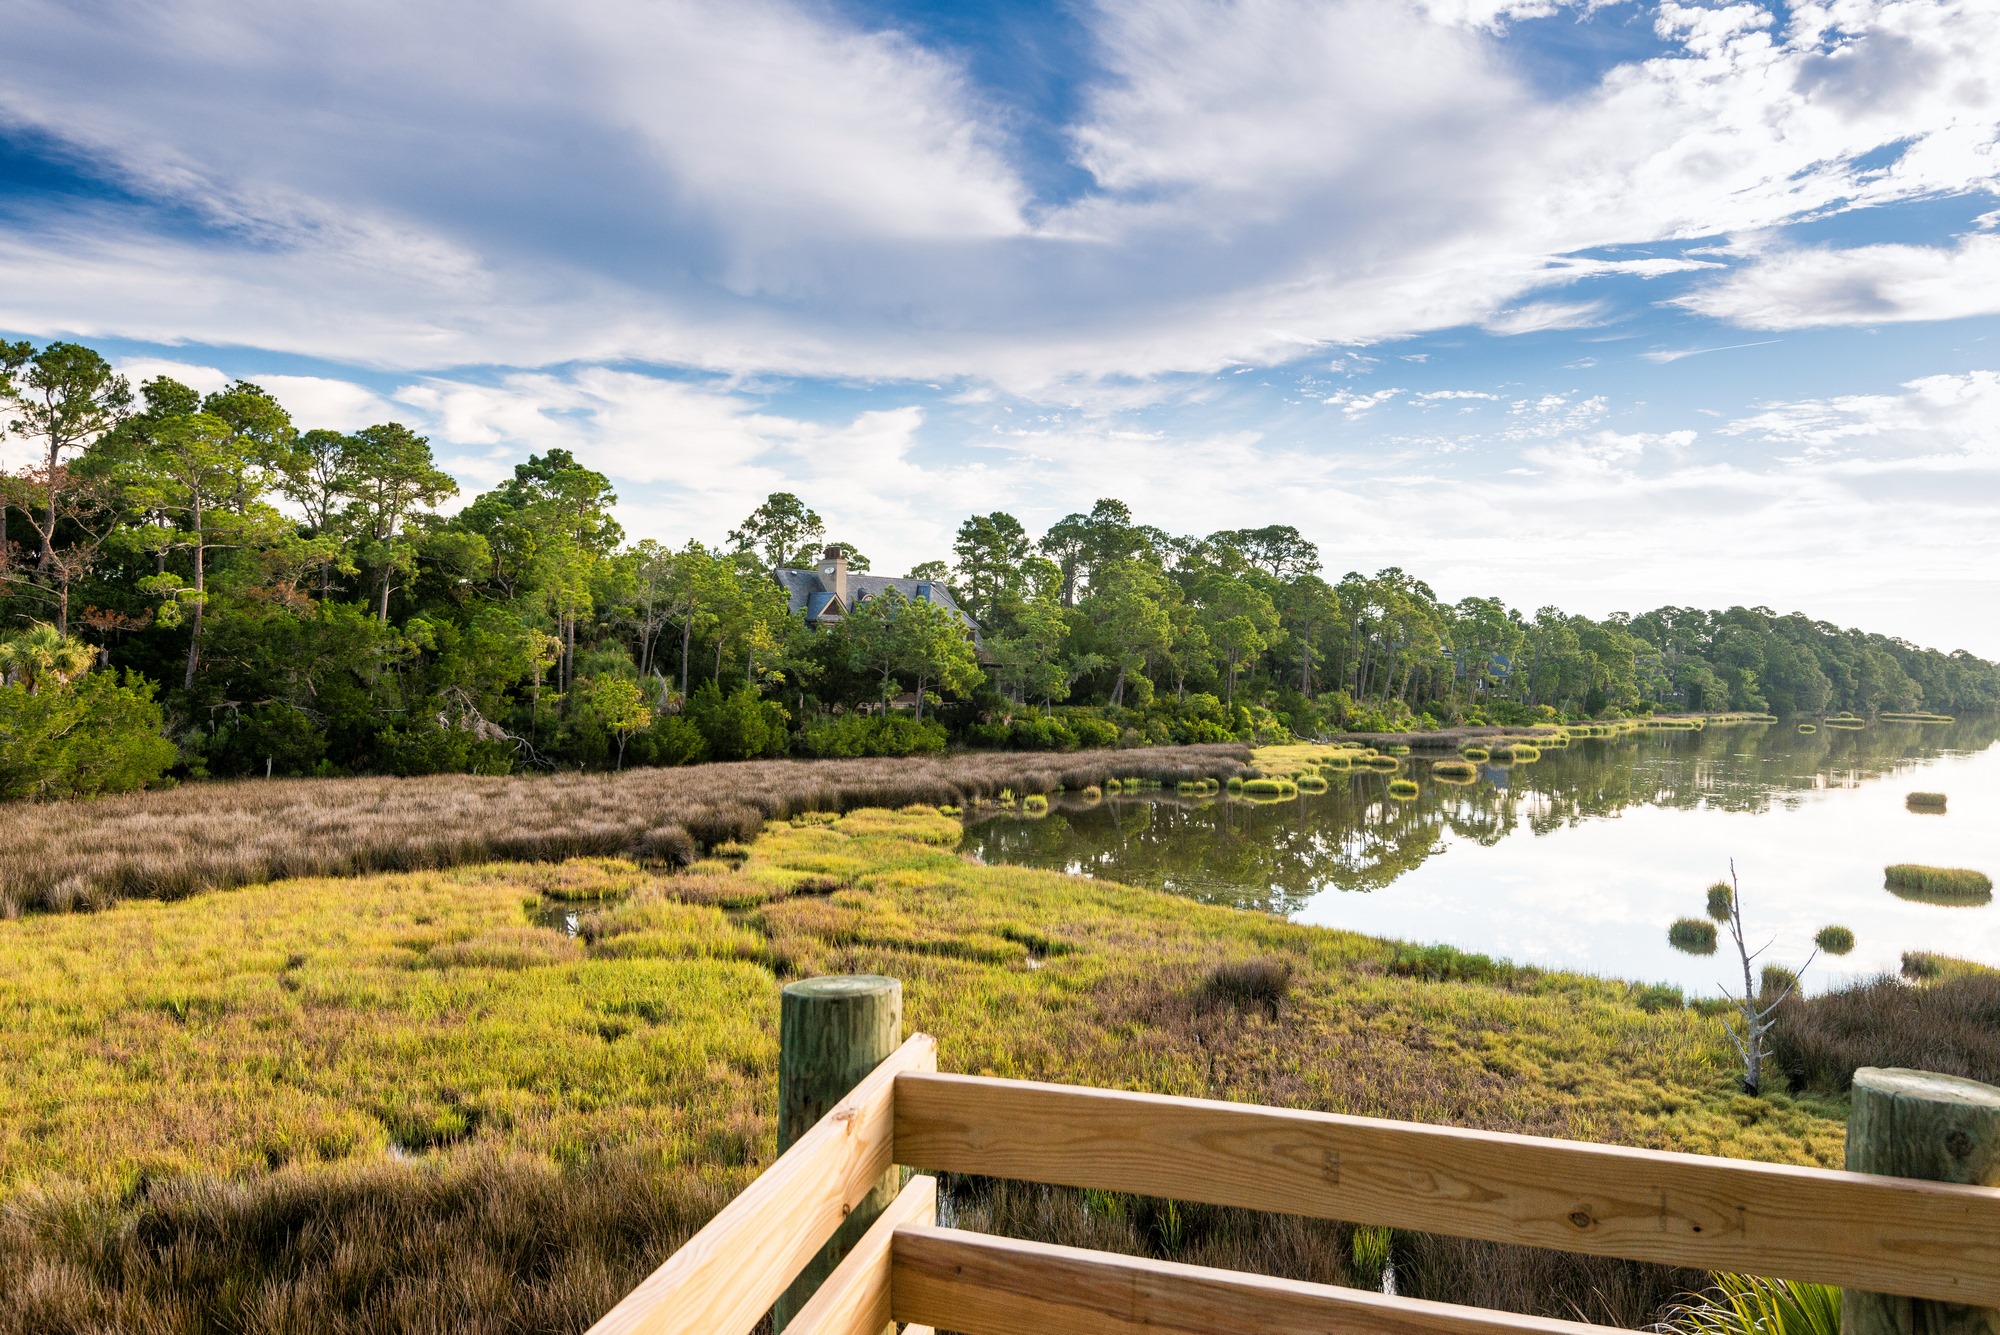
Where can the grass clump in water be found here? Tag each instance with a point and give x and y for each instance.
(1270, 788)
(1454, 771)
(1312, 783)
(1834, 940)
(1692, 936)
(1476, 753)
(1036, 804)
(1808, 727)
(1520, 753)
(1383, 764)
(1938, 885)
(1905, 716)
(1721, 900)
(1930, 804)
(1403, 790)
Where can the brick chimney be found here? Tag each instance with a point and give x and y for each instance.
(833, 571)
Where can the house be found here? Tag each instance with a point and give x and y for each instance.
(827, 592)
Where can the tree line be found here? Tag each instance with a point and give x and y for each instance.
(194, 583)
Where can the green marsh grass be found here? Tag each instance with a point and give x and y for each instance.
(1476, 753)
(1312, 783)
(1902, 716)
(1755, 1305)
(563, 1111)
(1938, 885)
(1403, 789)
(1454, 771)
(1929, 804)
(1808, 727)
(1383, 764)
(1834, 940)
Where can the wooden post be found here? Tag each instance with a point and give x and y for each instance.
(1941, 1128)
(831, 1033)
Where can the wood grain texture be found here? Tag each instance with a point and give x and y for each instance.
(1922, 1239)
(977, 1284)
(726, 1276)
(854, 1299)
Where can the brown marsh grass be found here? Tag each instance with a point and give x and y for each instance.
(167, 845)
(1950, 1024)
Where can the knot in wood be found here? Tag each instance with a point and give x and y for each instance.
(1581, 1218)
(1959, 1144)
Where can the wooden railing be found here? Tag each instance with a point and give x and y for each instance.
(1926, 1240)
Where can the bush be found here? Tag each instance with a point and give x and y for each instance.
(408, 752)
(1097, 733)
(851, 735)
(1938, 885)
(672, 740)
(272, 732)
(740, 726)
(93, 736)
(1692, 936)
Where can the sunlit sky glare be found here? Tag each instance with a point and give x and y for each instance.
(1605, 305)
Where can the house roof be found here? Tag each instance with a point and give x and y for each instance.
(808, 594)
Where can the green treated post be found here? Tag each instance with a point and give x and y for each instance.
(1941, 1128)
(831, 1033)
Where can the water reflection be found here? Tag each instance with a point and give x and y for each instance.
(1583, 858)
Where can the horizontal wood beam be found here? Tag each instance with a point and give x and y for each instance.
(977, 1284)
(1890, 1235)
(854, 1299)
(726, 1276)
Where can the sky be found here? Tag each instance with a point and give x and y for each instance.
(1599, 305)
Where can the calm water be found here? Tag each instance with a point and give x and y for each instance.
(1582, 859)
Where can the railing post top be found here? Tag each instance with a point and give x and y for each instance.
(838, 986)
(1929, 1086)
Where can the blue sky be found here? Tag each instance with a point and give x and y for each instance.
(1596, 304)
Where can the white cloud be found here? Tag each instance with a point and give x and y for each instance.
(1540, 315)
(764, 187)
(1936, 415)
(1858, 285)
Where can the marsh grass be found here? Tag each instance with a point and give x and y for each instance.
(1938, 885)
(1692, 936)
(1454, 770)
(1929, 804)
(1902, 716)
(1834, 940)
(1808, 727)
(237, 1072)
(1476, 753)
(167, 845)
(1721, 900)
(1950, 1024)
(1403, 790)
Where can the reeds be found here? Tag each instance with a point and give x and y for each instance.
(1269, 789)
(1929, 804)
(1834, 940)
(1476, 753)
(1950, 1025)
(1454, 771)
(1721, 900)
(1938, 885)
(1913, 716)
(167, 845)
(1403, 790)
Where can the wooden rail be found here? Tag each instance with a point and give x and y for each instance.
(728, 1275)
(1926, 1240)
(981, 1285)
(1893, 1235)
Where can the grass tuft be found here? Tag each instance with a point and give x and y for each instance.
(1692, 936)
(1476, 753)
(1721, 900)
(1403, 790)
(1834, 940)
(1929, 804)
(1938, 885)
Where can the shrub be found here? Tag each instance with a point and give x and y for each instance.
(1938, 885)
(740, 726)
(1928, 803)
(863, 735)
(97, 735)
(1834, 940)
(1403, 789)
(1097, 733)
(1692, 936)
(410, 752)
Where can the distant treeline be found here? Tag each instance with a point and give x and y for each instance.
(193, 583)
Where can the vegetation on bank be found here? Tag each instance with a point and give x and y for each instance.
(298, 606)
(171, 844)
(350, 1104)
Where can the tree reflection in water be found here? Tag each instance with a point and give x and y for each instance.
(1276, 855)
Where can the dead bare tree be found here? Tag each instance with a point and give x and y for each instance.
(1755, 1018)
